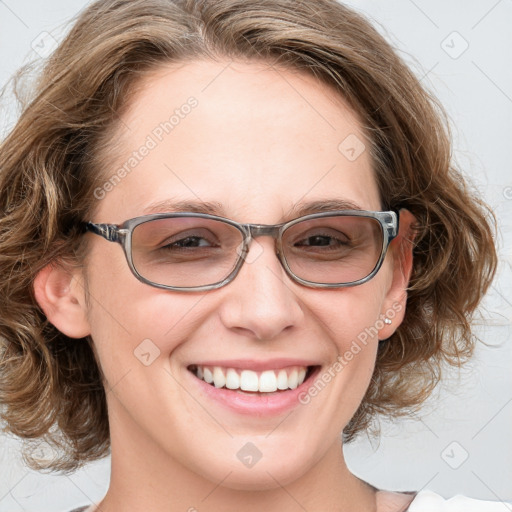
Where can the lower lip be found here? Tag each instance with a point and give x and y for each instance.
(255, 404)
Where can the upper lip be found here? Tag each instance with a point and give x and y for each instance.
(257, 365)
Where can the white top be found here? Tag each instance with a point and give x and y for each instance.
(428, 501)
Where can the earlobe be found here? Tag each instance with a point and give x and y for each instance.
(396, 298)
(62, 300)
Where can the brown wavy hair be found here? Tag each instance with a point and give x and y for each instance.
(51, 386)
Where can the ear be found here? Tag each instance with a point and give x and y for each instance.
(59, 291)
(396, 298)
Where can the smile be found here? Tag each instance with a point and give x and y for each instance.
(253, 387)
(268, 381)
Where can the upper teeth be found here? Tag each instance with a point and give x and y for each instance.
(267, 381)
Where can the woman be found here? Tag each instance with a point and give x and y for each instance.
(231, 232)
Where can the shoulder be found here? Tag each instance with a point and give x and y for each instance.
(428, 501)
(389, 501)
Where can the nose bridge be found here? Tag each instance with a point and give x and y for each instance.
(264, 230)
(259, 301)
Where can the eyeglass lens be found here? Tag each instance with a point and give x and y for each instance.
(194, 251)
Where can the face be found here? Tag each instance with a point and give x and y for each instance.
(259, 144)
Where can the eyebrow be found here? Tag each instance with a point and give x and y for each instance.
(168, 205)
(326, 205)
(215, 208)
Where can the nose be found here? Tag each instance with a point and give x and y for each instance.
(261, 301)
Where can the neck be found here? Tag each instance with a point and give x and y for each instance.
(144, 476)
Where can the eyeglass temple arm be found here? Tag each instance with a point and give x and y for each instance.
(108, 231)
(393, 227)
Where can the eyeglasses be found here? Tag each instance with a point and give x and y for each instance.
(198, 252)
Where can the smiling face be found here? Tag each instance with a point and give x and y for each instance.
(255, 145)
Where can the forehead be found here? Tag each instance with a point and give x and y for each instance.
(255, 139)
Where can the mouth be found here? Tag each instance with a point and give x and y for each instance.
(251, 382)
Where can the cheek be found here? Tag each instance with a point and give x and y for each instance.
(351, 315)
(133, 324)
(351, 319)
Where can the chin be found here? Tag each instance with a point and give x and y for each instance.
(272, 471)
(262, 479)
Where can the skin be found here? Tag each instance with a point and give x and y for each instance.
(260, 141)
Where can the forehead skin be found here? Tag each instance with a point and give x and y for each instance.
(258, 141)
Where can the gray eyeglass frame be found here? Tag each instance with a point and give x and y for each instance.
(122, 234)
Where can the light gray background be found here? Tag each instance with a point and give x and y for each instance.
(462, 442)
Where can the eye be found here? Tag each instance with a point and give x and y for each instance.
(196, 238)
(326, 238)
(319, 241)
(189, 241)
